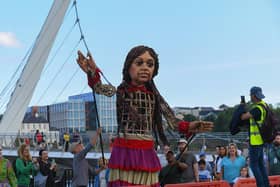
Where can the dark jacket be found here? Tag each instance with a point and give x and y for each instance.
(236, 121)
(46, 171)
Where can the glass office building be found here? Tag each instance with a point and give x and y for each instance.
(68, 115)
(79, 113)
(107, 112)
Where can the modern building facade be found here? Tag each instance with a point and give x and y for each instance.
(107, 113)
(106, 109)
(68, 116)
(79, 113)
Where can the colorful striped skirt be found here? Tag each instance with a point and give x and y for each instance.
(134, 162)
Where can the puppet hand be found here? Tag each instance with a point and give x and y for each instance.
(86, 63)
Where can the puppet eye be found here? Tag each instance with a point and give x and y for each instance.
(150, 63)
(139, 62)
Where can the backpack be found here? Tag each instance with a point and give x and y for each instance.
(236, 122)
(268, 128)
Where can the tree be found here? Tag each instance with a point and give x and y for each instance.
(277, 112)
(211, 117)
(189, 117)
(221, 124)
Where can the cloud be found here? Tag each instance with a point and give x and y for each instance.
(8, 39)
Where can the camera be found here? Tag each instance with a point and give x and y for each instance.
(243, 99)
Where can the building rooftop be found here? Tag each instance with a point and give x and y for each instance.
(29, 118)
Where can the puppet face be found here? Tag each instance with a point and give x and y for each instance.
(142, 69)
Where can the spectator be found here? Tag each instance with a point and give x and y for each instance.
(231, 164)
(257, 115)
(66, 139)
(7, 174)
(102, 178)
(162, 158)
(46, 168)
(38, 137)
(202, 156)
(190, 174)
(25, 166)
(218, 150)
(80, 164)
(249, 168)
(172, 172)
(76, 136)
(203, 173)
(218, 167)
(27, 141)
(244, 173)
(274, 156)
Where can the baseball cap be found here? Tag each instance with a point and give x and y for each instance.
(183, 141)
(257, 91)
(73, 146)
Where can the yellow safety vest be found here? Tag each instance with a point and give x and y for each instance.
(255, 136)
(66, 137)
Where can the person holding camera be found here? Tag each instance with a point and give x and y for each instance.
(257, 116)
(47, 170)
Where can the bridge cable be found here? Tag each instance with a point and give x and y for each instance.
(93, 91)
(59, 70)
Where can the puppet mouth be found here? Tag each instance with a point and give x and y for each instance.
(144, 75)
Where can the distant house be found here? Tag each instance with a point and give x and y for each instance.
(186, 110)
(32, 121)
(199, 112)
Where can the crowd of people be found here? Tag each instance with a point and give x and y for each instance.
(26, 171)
(229, 164)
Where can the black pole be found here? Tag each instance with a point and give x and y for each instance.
(98, 124)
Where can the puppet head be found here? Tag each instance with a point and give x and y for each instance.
(133, 54)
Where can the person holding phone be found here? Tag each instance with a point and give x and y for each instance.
(256, 116)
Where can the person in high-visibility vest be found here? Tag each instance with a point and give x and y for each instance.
(256, 115)
(66, 139)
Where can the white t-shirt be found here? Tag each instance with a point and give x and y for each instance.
(204, 175)
(219, 165)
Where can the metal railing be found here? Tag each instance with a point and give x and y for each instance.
(52, 143)
(68, 175)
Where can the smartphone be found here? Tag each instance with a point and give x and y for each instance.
(243, 99)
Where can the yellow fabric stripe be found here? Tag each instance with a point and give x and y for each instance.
(134, 177)
(136, 136)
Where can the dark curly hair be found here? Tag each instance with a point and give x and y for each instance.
(133, 54)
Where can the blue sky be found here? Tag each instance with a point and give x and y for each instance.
(210, 51)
